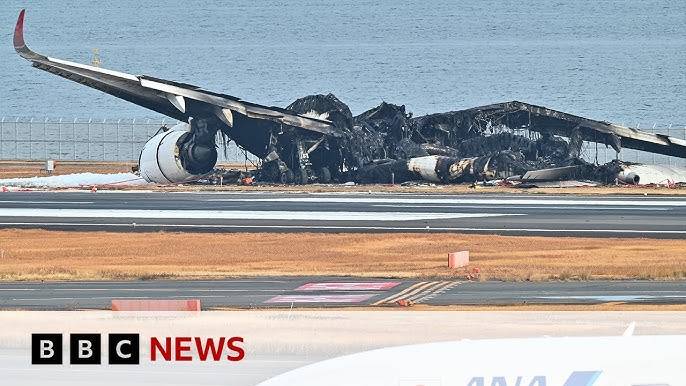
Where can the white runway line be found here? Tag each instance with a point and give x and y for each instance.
(539, 202)
(346, 228)
(236, 214)
(44, 202)
(618, 208)
(612, 298)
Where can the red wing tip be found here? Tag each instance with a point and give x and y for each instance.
(19, 31)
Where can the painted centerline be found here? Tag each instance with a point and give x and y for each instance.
(519, 207)
(613, 298)
(346, 228)
(237, 214)
(44, 202)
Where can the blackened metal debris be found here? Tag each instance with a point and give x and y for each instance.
(387, 144)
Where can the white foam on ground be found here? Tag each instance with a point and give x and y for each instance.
(75, 180)
(236, 214)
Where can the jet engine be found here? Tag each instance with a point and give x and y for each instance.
(175, 156)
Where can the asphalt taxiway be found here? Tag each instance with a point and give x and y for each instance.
(594, 216)
(334, 292)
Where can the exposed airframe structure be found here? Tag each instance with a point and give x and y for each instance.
(317, 139)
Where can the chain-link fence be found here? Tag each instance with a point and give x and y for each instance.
(123, 139)
(600, 154)
(87, 139)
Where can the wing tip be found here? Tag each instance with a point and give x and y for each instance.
(19, 42)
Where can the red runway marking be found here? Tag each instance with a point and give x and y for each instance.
(319, 298)
(155, 305)
(349, 286)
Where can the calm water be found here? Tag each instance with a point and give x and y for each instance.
(623, 61)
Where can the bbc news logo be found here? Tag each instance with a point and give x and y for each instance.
(125, 349)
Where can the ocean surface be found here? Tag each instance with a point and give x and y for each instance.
(620, 61)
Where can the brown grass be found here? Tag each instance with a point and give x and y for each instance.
(18, 169)
(53, 255)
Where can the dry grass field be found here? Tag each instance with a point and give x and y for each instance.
(54, 255)
(18, 169)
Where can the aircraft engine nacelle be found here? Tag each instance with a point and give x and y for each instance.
(173, 157)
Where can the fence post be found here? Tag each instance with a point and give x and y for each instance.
(133, 123)
(654, 124)
(16, 138)
(638, 127)
(669, 158)
(90, 120)
(31, 139)
(73, 139)
(59, 139)
(45, 139)
(103, 139)
(2, 131)
(117, 141)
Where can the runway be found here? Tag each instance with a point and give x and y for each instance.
(334, 292)
(592, 216)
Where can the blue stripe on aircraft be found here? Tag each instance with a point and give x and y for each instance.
(582, 378)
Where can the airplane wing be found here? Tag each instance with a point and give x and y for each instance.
(177, 100)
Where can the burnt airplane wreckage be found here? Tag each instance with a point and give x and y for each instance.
(317, 139)
(387, 145)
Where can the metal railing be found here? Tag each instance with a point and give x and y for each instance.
(86, 139)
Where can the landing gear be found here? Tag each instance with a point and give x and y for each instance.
(286, 177)
(301, 177)
(324, 175)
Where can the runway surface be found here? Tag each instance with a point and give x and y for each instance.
(594, 216)
(334, 292)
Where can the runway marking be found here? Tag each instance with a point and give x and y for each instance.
(459, 201)
(348, 286)
(352, 298)
(44, 202)
(343, 228)
(611, 298)
(518, 207)
(395, 297)
(433, 292)
(419, 292)
(238, 214)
